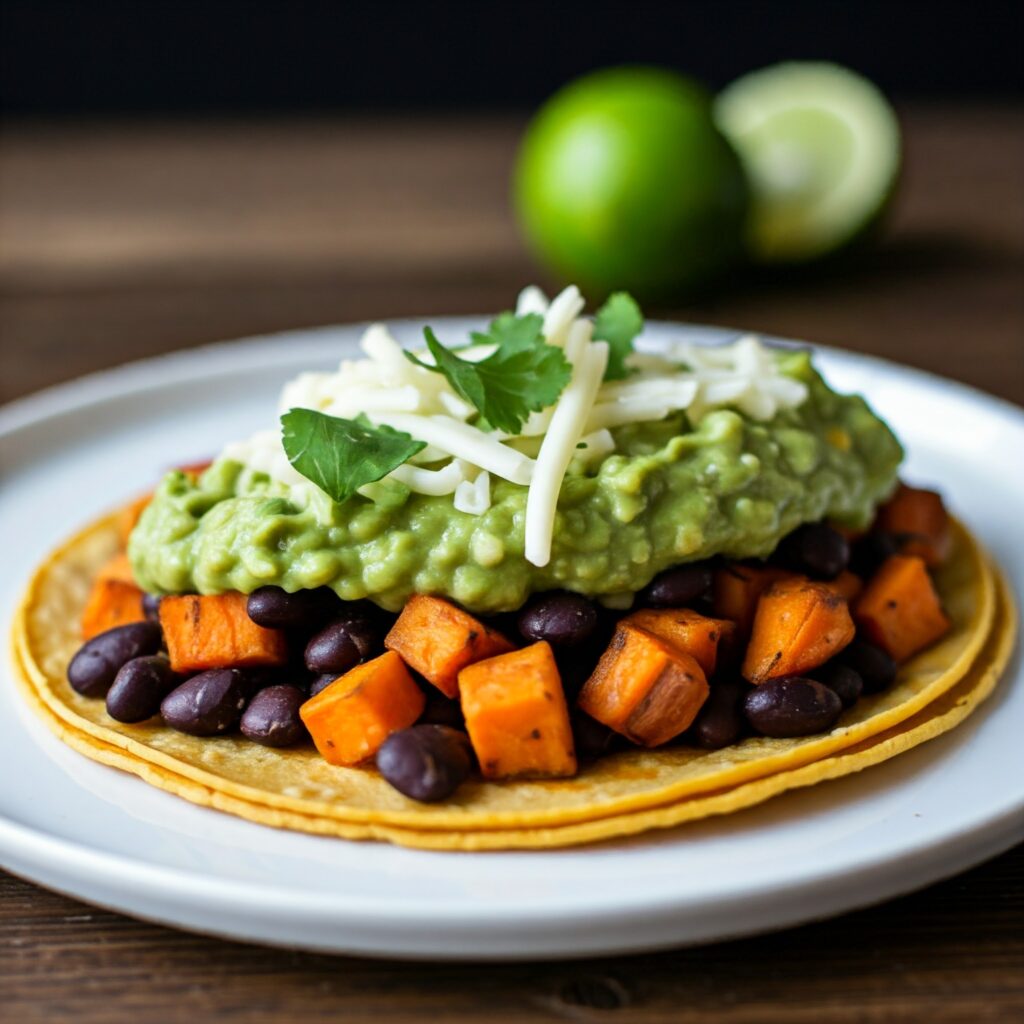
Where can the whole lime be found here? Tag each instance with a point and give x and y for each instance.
(624, 181)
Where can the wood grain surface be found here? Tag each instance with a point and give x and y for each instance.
(119, 241)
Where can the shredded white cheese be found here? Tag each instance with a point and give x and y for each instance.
(460, 459)
(588, 360)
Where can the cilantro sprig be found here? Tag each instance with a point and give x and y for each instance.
(618, 322)
(522, 375)
(341, 455)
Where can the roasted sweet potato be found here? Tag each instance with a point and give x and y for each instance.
(644, 687)
(847, 585)
(899, 610)
(118, 568)
(438, 640)
(355, 714)
(919, 518)
(112, 602)
(195, 469)
(798, 626)
(516, 714)
(737, 588)
(128, 517)
(215, 631)
(689, 631)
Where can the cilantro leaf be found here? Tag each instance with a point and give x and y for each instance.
(513, 333)
(521, 376)
(341, 455)
(618, 322)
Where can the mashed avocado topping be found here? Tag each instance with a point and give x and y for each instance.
(713, 479)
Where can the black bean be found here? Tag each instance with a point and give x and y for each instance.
(846, 681)
(817, 550)
(440, 710)
(208, 704)
(719, 722)
(151, 606)
(272, 717)
(876, 669)
(333, 649)
(791, 706)
(275, 608)
(593, 739)
(871, 550)
(426, 762)
(677, 587)
(575, 671)
(321, 682)
(258, 677)
(561, 618)
(139, 687)
(92, 670)
(365, 633)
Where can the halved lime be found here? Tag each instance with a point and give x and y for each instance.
(821, 148)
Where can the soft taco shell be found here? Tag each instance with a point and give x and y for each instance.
(942, 715)
(234, 774)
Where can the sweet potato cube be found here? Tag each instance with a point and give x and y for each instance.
(354, 715)
(438, 640)
(689, 631)
(899, 610)
(644, 687)
(215, 631)
(847, 585)
(798, 626)
(738, 587)
(516, 714)
(128, 517)
(112, 602)
(118, 568)
(921, 519)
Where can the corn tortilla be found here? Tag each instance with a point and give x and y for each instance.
(296, 788)
(934, 720)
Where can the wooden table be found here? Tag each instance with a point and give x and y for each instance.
(120, 241)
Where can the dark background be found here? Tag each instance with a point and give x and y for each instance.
(70, 58)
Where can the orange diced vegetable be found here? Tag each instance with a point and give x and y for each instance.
(194, 470)
(847, 585)
(215, 631)
(438, 640)
(354, 715)
(848, 532)
(689, 631)
(799, 625)
(644, 687)
(112, 602)
(118, 568)
(516, 714)
(737, 588)
(899, 610)
(128, 517)
(922, 521)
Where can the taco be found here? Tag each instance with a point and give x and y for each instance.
(547, 588)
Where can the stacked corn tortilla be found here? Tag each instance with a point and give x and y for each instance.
(622, 794)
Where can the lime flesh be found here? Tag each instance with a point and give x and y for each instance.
(821, 149)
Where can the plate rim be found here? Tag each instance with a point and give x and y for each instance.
(985, 836)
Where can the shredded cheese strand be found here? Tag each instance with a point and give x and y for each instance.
(589, 360)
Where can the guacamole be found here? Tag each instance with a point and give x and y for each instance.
(672, 492)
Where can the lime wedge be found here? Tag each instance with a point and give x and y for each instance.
(821, 149)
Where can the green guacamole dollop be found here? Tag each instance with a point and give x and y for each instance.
(672, 492)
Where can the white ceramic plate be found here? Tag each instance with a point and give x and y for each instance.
(106, 837)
